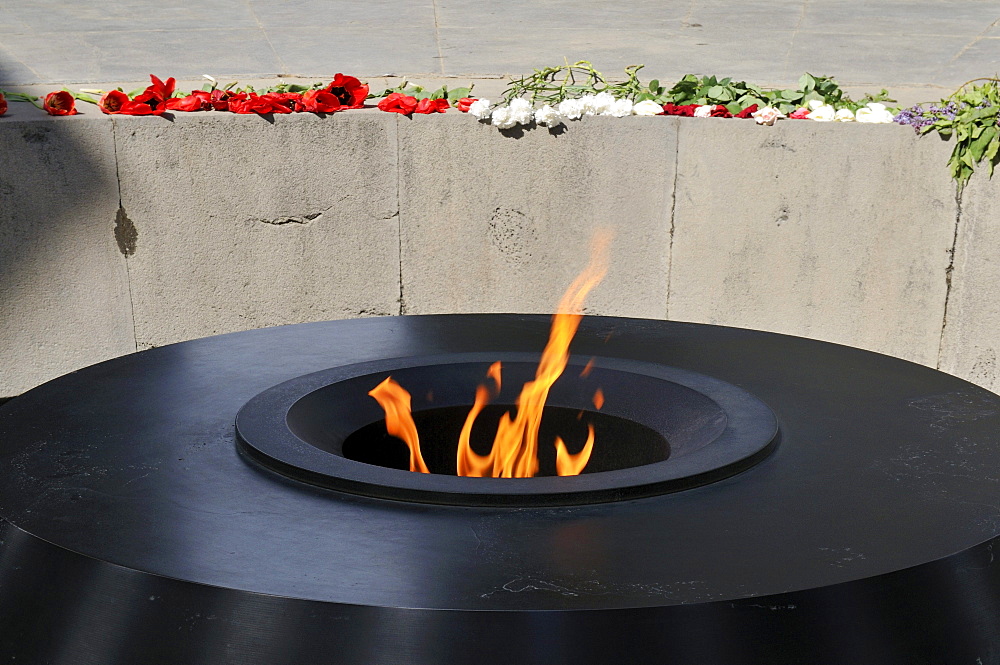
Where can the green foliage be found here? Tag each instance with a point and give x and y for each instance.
(974, 127)
(419, 92)
(551, 85)
(737, 95)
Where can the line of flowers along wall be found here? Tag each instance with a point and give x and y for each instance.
(222, 223)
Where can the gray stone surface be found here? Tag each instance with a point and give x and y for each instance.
(502, 223)
(971, 341)
(814, 229)
(63, 286)
(891, 43)
(244, 223)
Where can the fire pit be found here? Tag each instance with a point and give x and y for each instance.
(757, 499)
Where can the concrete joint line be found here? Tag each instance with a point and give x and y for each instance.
(673, 207)
(125, 233)
(399, 222)
(947, 277)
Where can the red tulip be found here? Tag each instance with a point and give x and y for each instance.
(320, 101)
(428, 105)
(349, 91)
(397, 102)
(59, 103)
(113, 101)
(187, 104)
(464, 103)
(3, 104)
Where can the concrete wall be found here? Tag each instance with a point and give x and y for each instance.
(124, 233)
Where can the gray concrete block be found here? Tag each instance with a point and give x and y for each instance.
(825, 230)
(63, 286)
(244, 222)
(496, 222)
(971, 340)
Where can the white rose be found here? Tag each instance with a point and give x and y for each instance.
(547, 116)
(621, 108)
(703, 111)
(767, 115)
(647, 107)
(815, 104)
(821, 113)
(571, 109)
(480, 109)
(502, 118)
(520, 111)
(874, 113)
(844, 115)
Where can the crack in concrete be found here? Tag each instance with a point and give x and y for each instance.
(947, 277)
(791, 40)
(975, 40)
(270, 44)
(121, 213)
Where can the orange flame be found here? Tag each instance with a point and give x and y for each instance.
(515, 447)
(394, 399)
(571, 465)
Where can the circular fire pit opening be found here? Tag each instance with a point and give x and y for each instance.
(658, 429)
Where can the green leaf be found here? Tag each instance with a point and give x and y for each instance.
(982, 142)
(654, 85)
(807, 83)
(716, 91)
(458, 93)
(791, 94)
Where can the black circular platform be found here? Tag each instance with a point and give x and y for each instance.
(137, 529)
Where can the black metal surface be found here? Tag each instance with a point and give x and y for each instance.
(136, 533)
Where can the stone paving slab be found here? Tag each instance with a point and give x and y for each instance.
(891, 43)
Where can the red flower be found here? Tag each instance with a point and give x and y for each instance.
(156, 95)
(464, 103)
(112, 102)
(721, 111)
(220, 99)
(683, 109)
(190, 103)
(59, 103)
(284, 102)
(245, 103)
(799, 114)
(3, 104)
(320, 101)
(428, 105)
(397, 102)
(348, 90)
(746, 113)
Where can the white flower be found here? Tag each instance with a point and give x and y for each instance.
(767, 115)
(480, 109)
(703, 111)
(503, 118)
(547, 116)
(598, 104)
(821, 113)
(815, 104)
(874, 113)
(520, 111)
(206, 76)
(621, 108)
(571, 109)
(647, 107)
(844, 115)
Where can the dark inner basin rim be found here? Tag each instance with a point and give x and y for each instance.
(715, 429)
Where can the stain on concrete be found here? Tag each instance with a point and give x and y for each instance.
(35, 134)
(125, 233)
(512, 233)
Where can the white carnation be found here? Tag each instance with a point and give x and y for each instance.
(480, 109)
(621, 108)
(547, 116)
(703, 111)
(647, 107)
(844, 115)
(599, 104)
(571, 109)
(821, 113)
(520, 111)
(503, 118)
